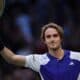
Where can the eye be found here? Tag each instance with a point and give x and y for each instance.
(55, 35)
(48, 36)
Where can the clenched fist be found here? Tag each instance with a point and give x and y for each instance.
(2, 3)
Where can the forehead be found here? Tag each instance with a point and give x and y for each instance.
(51, 31)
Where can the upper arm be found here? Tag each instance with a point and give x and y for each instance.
(33, 62)
(75, 56)
(19, 60)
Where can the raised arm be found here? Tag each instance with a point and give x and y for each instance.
(31, 61)
(11, 57)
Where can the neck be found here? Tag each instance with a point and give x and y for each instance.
(58, 53)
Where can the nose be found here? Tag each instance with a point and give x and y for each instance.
(52, 38)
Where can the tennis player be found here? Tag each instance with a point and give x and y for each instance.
(56, 64)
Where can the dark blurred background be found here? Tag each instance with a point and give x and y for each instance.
(20, 27)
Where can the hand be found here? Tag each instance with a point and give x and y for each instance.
(2, 5)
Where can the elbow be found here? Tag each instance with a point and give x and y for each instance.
(11, 60)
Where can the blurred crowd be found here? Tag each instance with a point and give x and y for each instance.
(20, 27)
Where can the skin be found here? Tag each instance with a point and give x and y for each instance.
(53, 43)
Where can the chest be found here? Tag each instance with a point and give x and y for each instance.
(64, 69)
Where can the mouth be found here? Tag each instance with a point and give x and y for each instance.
(53, 43)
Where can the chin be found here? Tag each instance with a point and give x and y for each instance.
(54, 48)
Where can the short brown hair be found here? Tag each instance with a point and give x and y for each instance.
(51, 25)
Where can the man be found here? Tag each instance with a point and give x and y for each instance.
(56, 64)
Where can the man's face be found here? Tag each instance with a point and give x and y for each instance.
(52, 39)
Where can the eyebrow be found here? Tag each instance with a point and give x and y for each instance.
(52, 35)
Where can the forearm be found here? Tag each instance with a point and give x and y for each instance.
(7, 54)
(11, 57)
